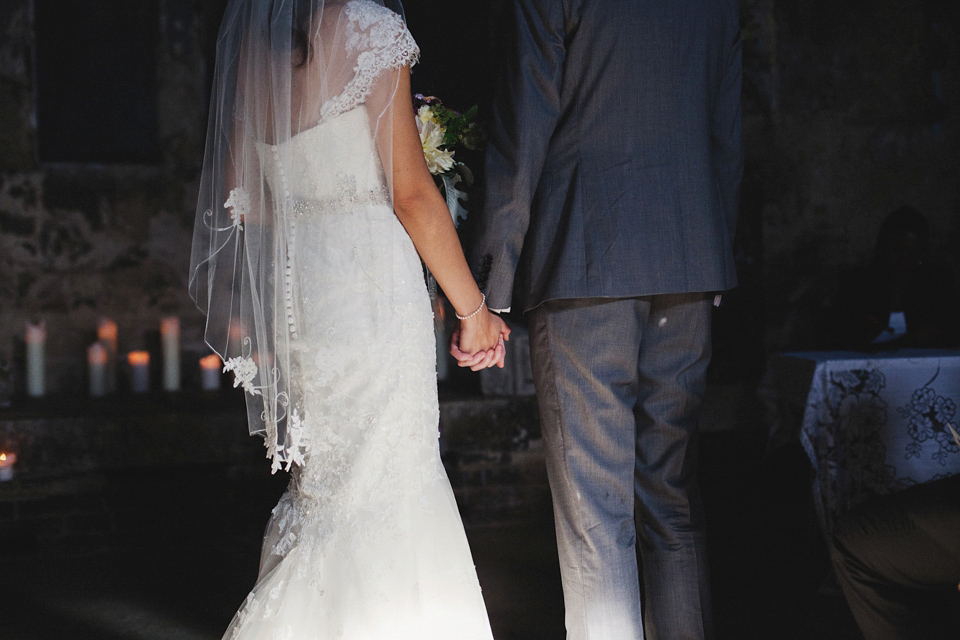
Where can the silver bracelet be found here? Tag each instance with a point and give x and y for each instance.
(482, 302)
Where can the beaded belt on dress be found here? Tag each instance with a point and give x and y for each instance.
(344, 203)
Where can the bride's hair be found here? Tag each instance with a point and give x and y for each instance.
(300, 46)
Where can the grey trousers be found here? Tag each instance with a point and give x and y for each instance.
(619, 383)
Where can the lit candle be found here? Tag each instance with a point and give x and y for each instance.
(139, 371)
(235, 341)
(170, 342)
(7, 460)
(97, 362)
(107, 334)
(36, 374)
(210, 372)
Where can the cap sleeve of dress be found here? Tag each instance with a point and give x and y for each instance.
(381, 42)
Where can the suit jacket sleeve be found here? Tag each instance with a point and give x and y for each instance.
(524, 115)
(726, 145)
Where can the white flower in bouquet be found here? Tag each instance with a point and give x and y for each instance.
(426, 114)
(431, 137)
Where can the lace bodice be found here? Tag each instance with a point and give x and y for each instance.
(336, 158)
(334, 162)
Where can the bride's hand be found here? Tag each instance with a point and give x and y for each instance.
(478, 342)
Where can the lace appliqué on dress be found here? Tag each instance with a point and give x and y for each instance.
(294, 450)
(383, 42)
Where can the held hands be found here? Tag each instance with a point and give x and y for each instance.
(478, 342)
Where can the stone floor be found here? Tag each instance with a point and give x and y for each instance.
(169, 553)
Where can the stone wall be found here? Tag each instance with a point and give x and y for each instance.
(82, 465)
(81, 241)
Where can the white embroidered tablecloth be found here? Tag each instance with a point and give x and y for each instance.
(871, 423)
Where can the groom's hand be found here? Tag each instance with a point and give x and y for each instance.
(479, 342)
(479, 360)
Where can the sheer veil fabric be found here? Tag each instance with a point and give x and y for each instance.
(284, 67)
(315, 300)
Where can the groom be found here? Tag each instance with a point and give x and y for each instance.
(613, 172)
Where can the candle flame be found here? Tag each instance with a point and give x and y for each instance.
(3, 457)
(211, 361)
(236, 331)
(138, 358)
(107, 329)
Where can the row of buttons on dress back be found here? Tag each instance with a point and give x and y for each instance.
(288, 274)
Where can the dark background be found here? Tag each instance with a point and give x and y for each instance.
(850, 111)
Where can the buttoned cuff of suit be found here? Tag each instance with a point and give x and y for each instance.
(481, 275)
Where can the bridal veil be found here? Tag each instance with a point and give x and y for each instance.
(283, 68)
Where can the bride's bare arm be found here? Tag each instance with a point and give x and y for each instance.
(423, 213)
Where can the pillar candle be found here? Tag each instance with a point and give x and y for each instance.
(97, 363)
(107, 335)
(170, 343)
(210, 372)
(36, 369)
(7, 460)
(139, 371)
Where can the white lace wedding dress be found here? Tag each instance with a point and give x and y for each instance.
(367, 543)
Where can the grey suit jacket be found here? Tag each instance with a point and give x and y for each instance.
(614, 160)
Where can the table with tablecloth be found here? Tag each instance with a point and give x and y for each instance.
(871, 423)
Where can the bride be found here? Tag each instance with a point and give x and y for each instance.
(315, 209)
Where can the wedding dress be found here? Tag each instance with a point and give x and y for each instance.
(367, 542)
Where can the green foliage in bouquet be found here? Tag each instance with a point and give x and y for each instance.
(461, 128)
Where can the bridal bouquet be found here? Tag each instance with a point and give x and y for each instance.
(442, 132)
